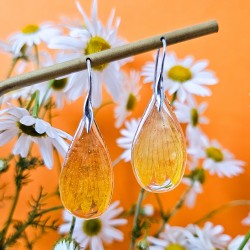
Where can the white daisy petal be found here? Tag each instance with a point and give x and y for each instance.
(28, 120)
(46, 150)
(7, 135)
(22, 146)
(41, 126)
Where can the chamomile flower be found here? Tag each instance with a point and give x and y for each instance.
(182, 77)
(236, 242)
(95, 232)
(208, 238)
(127, 138)
(16, 121)
(92, 38)
(33, 34)
(128, 97)
(66, 244)
(171, 238)
(218, 160)
(191, 114)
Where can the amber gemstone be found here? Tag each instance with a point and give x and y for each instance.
(158, 151)
(86, 181)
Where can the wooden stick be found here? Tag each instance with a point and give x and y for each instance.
(107, 56)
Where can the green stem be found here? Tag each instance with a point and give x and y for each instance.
(32, 98)
(223, 207)
(160, 205)
(137, 211)
(13, 64)
(13, 206)
(21, 229)
(47, 92)
(177, 207)
(36, 56)
(36, 105)
(173, 98)
(71, 230)
(244, 242)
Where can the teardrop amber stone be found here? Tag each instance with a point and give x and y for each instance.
(158, 151)
(86, 181)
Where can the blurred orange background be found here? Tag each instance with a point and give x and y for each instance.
(228, 111)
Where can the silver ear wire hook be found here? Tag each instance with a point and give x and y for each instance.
(158, 79)
(88, 109)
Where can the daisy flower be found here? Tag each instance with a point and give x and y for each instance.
(217, 160)
(16, 121)
(94, 232)
(236, 242)
(127, 138)
(246, 221)
(196, 188)
(128, 97)
(66, 244)
(191, 114)
(182, 77)
(208, 238)
(171, 238)
(31, 35)
(84, 41)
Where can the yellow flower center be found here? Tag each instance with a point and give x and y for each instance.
(92, 227)
(194, 117)
(94, 45)
(215, 154)
(59, 84)
(131, 102)
(29, 130)
(179, 73)
(29, 29)
(175, 246)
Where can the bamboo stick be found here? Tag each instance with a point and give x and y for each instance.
(107, 56)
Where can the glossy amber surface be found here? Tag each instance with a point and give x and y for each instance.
(159, 152)
(86, 181)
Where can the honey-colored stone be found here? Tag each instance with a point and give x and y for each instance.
(159, 152)
(86, 181)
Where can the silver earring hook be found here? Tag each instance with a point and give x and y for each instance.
(88, 109)
(158, 79)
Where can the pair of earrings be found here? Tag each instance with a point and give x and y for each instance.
(158, 155)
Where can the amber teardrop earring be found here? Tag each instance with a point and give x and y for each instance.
(158, 150)
(86, 180)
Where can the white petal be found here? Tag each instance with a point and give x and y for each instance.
(64, 42)
(41, 126)
(199, 66)
(22, 145)
(7, 125)
(60, 145)
(46, 150)
(28, 120)
(7, 135)
(96, 91)
(96, 244)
